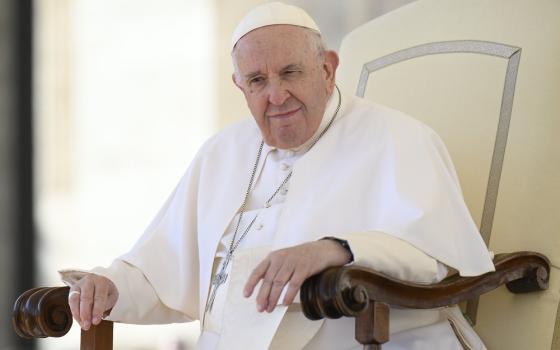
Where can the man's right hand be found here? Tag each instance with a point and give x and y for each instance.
(90, 297)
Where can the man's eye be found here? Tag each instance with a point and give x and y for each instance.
(256, 80)
(291, 72)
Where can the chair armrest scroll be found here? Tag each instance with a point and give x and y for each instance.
(42, 312)
(347, 291)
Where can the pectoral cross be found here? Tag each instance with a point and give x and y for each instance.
(219, 279)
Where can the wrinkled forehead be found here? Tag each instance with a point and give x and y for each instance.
(274, 44)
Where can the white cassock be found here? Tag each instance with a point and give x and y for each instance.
(377, 178)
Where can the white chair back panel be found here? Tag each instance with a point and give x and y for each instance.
(467, 126)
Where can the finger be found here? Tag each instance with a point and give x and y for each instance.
(262, 296)
(280, 280)
(74, 303)
(86, 302)
(293, 287)
(112, 297)
(99, 302)
(266, 286)
(255, 277)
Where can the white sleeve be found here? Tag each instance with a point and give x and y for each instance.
(137, 302)
(394, 257)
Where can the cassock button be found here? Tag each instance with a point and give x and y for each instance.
(267, 205)
(259, 226)
(284, 166)
(284, 191)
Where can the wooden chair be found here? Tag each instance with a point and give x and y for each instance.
(337, 292)
(486, 76)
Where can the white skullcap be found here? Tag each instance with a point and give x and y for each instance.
(270, 14)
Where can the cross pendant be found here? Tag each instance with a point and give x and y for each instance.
(219, 279)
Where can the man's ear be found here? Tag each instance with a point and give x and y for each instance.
(330, 65)
(233, 77)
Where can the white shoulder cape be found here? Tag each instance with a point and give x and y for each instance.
(375, 169)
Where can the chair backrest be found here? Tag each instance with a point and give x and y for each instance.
(485, 75)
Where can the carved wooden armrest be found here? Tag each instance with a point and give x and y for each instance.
(347, 291)
(362, 293)
(44, 312)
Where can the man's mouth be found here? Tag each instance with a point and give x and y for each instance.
(285, 114)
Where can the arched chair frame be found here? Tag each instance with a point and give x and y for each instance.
(512, 54)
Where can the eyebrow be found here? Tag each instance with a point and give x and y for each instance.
(251, 75)
(291, 66)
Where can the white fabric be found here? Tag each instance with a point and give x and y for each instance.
(137, 303)
(260, 236)
(274, 166)
(463, 328)
(421, 270)
(393, 256)
(416, 339)
(243, 327)
(270, 14)
(410, 330)
(375, 171)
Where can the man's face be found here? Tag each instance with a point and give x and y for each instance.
(285, 81)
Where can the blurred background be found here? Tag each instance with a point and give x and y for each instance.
(102, 105)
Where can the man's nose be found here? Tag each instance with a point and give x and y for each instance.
(277, 93)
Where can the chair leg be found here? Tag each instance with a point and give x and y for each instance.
(98, 337)
(372, 326)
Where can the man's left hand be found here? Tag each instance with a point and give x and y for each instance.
(292, 266)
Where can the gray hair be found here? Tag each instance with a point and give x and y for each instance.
(317, 41)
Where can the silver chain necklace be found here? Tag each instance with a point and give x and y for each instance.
(221, 277)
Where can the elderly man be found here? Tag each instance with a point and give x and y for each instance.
(321, 179)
